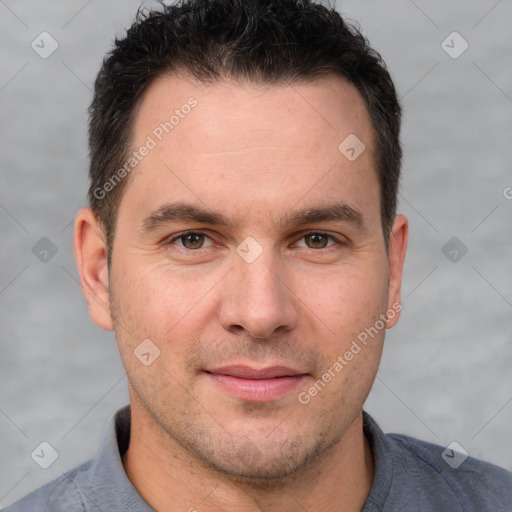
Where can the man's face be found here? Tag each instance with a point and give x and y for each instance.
(249, 315)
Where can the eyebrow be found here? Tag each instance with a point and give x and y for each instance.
(173, 212)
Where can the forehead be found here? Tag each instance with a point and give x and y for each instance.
(327, 107)
(233, 145)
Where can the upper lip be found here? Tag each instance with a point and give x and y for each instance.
(247, 372)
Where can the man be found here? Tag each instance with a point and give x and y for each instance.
(242, 241)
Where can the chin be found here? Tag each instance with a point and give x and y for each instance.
(260, 475)
(268, 467)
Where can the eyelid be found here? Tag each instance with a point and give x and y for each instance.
(170, 240)
(339, 240)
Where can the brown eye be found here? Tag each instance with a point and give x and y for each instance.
(192, 240)
(316, 240)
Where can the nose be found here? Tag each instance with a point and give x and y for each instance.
(257, 299)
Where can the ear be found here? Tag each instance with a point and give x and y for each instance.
(398, 238)
(91, 257)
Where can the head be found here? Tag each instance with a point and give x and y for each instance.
(229, 226)
(265, 43)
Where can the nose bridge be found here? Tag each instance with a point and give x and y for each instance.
(256, 264)
(257, 298)
(259, 279)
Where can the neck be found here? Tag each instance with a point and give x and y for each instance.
(169, 478)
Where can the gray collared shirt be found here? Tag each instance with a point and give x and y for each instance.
(410, 476)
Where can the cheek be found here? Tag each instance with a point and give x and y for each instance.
(148, 306)
(348, 308)
(160, 304)
(347, 300)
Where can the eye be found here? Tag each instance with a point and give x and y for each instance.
(191, 240)
(318, 240)
(195, 240)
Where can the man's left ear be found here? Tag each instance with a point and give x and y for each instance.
(398, 238)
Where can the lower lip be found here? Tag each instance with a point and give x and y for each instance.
(257, 390)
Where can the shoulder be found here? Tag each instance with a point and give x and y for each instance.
(66, 493)
(419, 476)
(100, 481)
(469, 482)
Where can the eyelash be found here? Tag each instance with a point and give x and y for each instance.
(171, 241)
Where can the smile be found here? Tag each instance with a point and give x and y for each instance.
(257, 385)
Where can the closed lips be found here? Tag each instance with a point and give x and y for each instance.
(245, 372)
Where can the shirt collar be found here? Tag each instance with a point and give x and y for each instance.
(383, 464)
(108, 477)
(109, 482)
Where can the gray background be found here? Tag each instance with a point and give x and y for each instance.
(445, 374)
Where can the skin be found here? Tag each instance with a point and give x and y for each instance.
(253, 154)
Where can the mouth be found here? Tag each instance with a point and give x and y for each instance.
(256, 385)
